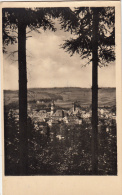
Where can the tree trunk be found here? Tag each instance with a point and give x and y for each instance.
(95, 93)
(22, 96)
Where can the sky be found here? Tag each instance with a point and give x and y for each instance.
(48, 65)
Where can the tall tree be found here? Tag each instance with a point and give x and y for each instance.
(94, 40)
(21, 18)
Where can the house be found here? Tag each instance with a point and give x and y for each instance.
(59, 113)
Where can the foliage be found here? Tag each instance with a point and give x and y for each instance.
(61, 150)
(11, 143)
(83, 34)
(34, 18)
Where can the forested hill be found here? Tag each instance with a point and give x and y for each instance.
(106, 96)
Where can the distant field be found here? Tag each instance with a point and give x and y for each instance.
(64, 97)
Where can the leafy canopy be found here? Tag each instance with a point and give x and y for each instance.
(34, 19)
(83, 33)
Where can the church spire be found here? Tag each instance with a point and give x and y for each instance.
(52, 107)
(73, 107)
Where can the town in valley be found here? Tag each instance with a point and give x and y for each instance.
(59, 130)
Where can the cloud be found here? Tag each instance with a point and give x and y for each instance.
(50, 66)
(10, 76)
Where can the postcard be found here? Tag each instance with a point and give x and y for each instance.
(61, 98)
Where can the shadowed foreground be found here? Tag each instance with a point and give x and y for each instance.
(60, 149)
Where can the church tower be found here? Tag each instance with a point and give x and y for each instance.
(52, 107)
(73, 107)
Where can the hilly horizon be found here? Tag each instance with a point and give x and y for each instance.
(59, 88)
(65, 96)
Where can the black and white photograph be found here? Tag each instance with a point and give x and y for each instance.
(59, 91)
